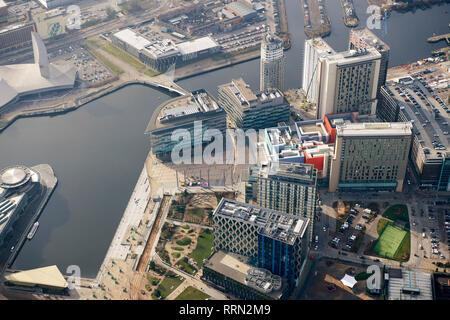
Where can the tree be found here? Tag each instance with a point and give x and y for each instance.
(110, 13)
(135, 6)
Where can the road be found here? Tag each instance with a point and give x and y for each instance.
(415, 201)
(25, 54)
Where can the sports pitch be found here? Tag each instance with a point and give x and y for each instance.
(389, 241)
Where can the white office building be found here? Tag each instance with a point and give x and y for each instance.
(315, 49)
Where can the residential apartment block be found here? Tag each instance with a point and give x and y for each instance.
(289, 188)
(370, 156)
(273, 63)
(248, 110)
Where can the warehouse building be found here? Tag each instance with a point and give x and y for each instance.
(198, 48)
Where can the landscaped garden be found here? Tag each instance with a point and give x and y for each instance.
(168, 285)
(191, 293)
(204, 247)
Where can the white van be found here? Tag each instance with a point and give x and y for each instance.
(317, 239)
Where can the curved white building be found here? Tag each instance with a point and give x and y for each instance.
(19, 80)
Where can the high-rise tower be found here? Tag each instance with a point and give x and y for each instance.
(273, 63)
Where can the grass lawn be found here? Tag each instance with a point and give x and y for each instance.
(178, 248)
(104, 61)
(381, 224)
(203, 248)
(171, 282)
(152, 73)
(397, 212)
(184, 242)
(362, 276)
(184, 265)
(389, 242)
(124, 56)
(191, 293)
(404, 251)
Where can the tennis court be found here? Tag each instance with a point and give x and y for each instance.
(389, 241)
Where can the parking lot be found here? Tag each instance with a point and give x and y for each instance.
(428, 114)
(90, 70)
(435, 227)
(350, 231)
(242, 40)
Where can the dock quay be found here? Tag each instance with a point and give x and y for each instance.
(120, 249)
(84, 99)
(317, 22)
(350, 17)
(438, 38)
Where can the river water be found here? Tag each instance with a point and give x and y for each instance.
(98, 151)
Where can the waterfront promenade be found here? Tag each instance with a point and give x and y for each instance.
(127, 244)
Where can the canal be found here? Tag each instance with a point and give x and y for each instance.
(98, 151)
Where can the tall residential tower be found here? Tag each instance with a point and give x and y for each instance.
(273, 63)
(370, 156)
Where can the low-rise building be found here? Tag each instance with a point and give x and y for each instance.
(18, 80)
(409, 285)
(198, 48)
(18, 186)
(51, 23)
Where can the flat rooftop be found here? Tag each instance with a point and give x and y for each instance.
(354, 56)
(161, 48)
(183, 109)
(197, 45)
(132, 38)
(299, 172)
(241, 9)
(368, 38)
(13, 27)
(270, 223)
(339, 119)
(375, 129)
(249, 99)
(412, 285)
(236, 267)
(321, 46)
(431, 132)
